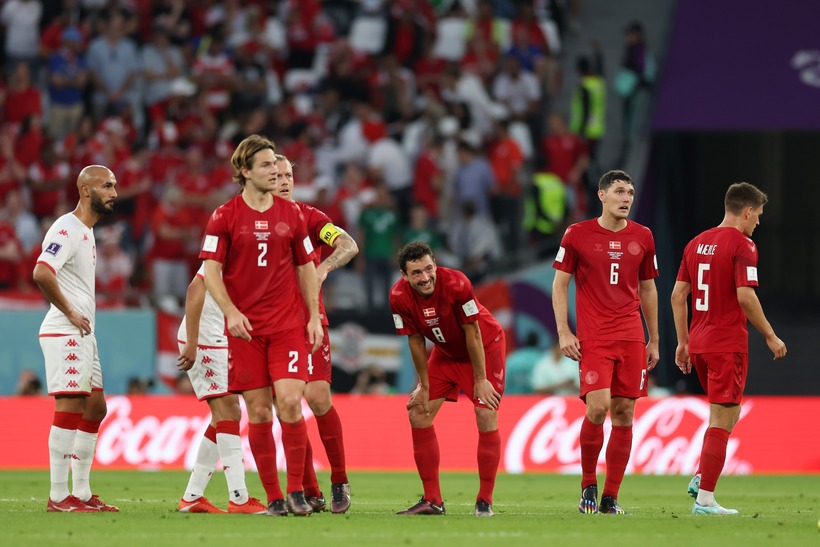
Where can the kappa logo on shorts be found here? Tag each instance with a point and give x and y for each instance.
(72, 343)
(213, 387)
(72, 357)
(207, 360)
(72, 383)
(72, 370)
(210, 374)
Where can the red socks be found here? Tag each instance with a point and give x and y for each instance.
(264, 453)
(617, 456)
(427, 456)
(294, 441)
(712, 457)
(592, 441)
(67, 420)
(330, 431)
(489, 454)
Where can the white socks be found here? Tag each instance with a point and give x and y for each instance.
(206, 458)
(84, 444)
(60, 451)
(230, 449)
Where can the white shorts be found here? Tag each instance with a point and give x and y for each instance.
(72, 364)
(209, 375)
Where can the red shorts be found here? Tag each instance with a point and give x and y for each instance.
(267, 358)
(448, 377)
(722, 375)
(320, 367)
(619, 366)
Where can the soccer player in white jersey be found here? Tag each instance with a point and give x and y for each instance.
(65, 275)
(203, 352)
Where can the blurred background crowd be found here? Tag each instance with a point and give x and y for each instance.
(437, 120)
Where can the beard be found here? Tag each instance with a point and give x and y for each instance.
(98, 206)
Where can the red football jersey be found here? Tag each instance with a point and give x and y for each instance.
(439, 317)
(316, 222)
(259, 252)
(607, 267)
(716, 263)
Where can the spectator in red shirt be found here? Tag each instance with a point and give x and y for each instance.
(22, 98)
(48, 179)
(566, 155)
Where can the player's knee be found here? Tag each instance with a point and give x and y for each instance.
(319, 403)
(418, 419)
(596, 412)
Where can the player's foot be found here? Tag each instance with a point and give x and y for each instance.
(694, 486)
(70, 505)
(199, 505)
(698, 509)
(277, 508)
(609, 506)
(317, 503)
(251, 507)
(424, 507)
(589, 500)
(340, 499)
(297, 505)
(95, 501)
(483, 509)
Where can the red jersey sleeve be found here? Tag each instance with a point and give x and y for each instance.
(400, 305)
(301, 244)
(649, 264)
(746, 265)
(217, 239)
(464, 299)
(566, 259)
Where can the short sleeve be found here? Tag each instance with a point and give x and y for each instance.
(216, 242)
(59, 246)
(649, 264)
(745, 261)
(402, 318)
(464, 301)
(566, 259)
(302, 244)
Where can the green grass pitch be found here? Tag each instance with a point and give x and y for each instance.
(531, 509)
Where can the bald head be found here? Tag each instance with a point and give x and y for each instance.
(96, 185)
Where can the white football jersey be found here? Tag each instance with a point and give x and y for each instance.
(211, 323)
(70, 250)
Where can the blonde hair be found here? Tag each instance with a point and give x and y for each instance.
(242, 157)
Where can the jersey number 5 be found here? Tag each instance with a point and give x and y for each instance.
(702, 304)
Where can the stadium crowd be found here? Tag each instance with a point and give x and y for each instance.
(405, 120)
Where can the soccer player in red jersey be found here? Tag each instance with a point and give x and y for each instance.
(468, 355)
(65, 275)
(719, 269)
(613, 261)
(258, 268)
(322, 231)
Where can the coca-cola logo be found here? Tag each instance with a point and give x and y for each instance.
(667, 438)
(149, 442)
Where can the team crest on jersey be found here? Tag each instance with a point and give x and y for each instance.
(260, 225)
(429, 312)
(53, 248)
(614, 245)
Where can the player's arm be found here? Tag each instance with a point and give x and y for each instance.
(648, 294)
(194, 301)
(482, 388)
(310, 293)
(46, 280)
(418, 353)
(238, 324)
(344, 249)
(747, 298)
(570, 346)
(680, 313)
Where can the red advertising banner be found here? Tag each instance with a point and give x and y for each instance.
(538, 434)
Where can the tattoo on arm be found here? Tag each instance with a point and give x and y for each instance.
(344, 251)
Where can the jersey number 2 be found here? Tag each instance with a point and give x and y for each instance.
(263, 250)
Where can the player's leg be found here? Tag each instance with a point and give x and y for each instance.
(629, 379)
(310, 484)
(288, 357)
(725, 378)
(85, 445)
(489, 440)
(427, 456)
(68, 364)
(317, 394)
(249, 375)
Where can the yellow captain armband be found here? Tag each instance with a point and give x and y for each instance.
(329, 233)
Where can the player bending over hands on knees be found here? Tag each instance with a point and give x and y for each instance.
(468, 355)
